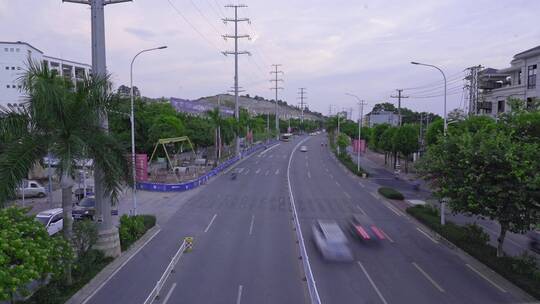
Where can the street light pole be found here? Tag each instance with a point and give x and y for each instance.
(132, 118)
(361, 112)
(445, 130)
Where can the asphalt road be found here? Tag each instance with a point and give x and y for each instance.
(409, 267)
(245, 250)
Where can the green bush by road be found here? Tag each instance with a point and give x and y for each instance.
(133, 227)
(391, 193)
(523, 271)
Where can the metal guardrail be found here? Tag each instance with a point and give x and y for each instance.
(170, 268)
(310, 279)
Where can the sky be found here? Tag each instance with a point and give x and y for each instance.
(328, 47)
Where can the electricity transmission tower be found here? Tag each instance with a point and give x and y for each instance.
(236, 20)
(472, 86)
(107, 232)
(399, 97)
(276, 87)
(302, 104)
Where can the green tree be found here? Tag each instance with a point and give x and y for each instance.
(386, 144)
(65, 121)
(488, 173)
(378, 131)
(434, 132)
(406, 142)
(343, 142)
(28, 253)
(384, 106)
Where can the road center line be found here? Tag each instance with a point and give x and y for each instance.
(486, 278)
(346, 194)
(361, 210)
(210, 224)
(239, 297)
(277, 171)
(258, 170)
(372, 283)
(169, 293)
(428, 277)
(309, 175)
(251, 226)
(427, 235)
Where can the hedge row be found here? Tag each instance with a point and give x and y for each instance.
(390, 193)
(523, 271)
(133, 227)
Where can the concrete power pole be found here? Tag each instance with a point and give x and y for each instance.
(276, 87)
(399, 97)
(302, 105)
(473, 89)
(108, 240)
(236, 53)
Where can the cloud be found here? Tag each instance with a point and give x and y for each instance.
(140, 33)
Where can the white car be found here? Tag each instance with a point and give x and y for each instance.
(31, 189)
(331, 241)
(53, 220)
(303, 149)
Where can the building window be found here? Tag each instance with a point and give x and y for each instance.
(6, 49)
(7, 68)
(13, 68)
(500, 106)
(8, 86)
(531, 77)
(519, 77)
(11, 50)
(19, 68)
(17, 50)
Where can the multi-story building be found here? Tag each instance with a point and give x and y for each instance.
(517, 81)
(381, 117)
(14, 58)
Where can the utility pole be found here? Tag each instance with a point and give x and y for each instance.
(473, 89)
(302, 105)
(276, 87)
(107, 232)
(399, 97)
(236, 53)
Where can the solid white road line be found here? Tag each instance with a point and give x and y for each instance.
(361, 210)
(427, 235)
(251, 226)
(169, 293)
(428, 277)
(386, 235)
(277, 171)
(372, 283)
(210, 224)
(268, 149)
(361, 185)
(486, 278)
(258, 170)
(118, 269)
(239, 297)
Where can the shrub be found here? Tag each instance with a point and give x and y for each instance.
(522, 271)
(391, 193)
(85, 235)
(133, 227)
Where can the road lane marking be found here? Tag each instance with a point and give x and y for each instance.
(210, 224)
(258, 170)
(267, 172)
(246, 172)
(239, 297)
(309, 175)
(310, 279)
(361, 185)
(372, 283)
(346, 194)
(486, 278)
(268, 149)
(386, 235)
(387, 204)
(251, 226)
(277, 171)
(119, 268)
(361, 210)
(427, 235)
(428, 277)
(331, 176)
(169, 293)
(337, 183)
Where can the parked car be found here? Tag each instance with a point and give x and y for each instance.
(31, 188)
(86, 209)
(52, 219)
(331, 241)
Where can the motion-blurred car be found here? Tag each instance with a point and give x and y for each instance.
(31, 188)
(86, 209)
(534, 241)
(331, 241)
(303, 149)
(362, 226)
(52, 219)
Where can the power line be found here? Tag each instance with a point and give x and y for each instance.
(435, 83)
(204, 17)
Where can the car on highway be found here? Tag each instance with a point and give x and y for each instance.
(52, 219)
(362, 227)
(303, 149)
(31, 188)
(86, 209)
(331, 241)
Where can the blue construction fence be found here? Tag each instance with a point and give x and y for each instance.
(159, 187)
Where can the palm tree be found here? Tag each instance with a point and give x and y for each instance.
(63, 119)
(215, 118)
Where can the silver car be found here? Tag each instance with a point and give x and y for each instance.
(31, 188)
(331, 241)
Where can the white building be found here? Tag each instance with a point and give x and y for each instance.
(517, 81)
(382, 117)
(14, 58)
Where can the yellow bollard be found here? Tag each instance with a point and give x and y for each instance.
(189, 244)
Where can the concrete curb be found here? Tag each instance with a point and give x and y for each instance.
(87, 292)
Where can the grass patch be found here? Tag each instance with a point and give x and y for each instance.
(523, 271)
(133, 227)
(390, 193)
